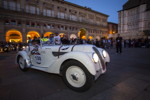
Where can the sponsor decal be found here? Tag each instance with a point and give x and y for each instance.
(37, 58)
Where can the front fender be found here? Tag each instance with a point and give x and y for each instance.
(82, 57)
(107, 59)
(25, 57)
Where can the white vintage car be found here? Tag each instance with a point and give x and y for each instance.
(79, 65)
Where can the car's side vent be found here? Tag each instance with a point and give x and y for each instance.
(100, 57)
(56, 54)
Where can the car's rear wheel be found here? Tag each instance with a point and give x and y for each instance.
(76, 76)
(22, 64)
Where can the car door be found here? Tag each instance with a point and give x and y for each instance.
(47, 57)
(36, 56)
(43, 57)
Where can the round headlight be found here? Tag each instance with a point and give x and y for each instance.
(104, 53)
(95, 57)
(23, 47)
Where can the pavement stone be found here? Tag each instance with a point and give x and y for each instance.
(127, 78)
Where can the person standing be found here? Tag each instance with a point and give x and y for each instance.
(44, 39)
(51, 39)
(57, 39)
(29, 41)
(65, 40)
(97, 43)
(119, 44)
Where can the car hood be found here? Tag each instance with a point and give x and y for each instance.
(69, 48)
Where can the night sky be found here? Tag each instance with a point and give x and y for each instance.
(108, 7)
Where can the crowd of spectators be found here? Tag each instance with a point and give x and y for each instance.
(110, 43)
(103, 43)
(11, 46)
(136, 43)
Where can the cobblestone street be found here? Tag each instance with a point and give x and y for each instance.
(127, 78)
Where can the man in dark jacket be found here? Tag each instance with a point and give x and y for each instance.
(119, 44)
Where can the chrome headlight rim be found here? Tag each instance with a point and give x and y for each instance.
(104, 53)
(95, 57)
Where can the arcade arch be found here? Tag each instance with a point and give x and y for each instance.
(90, 37)
(62, 35)
(82, 33)
(47, 34)
(13, 36)
(73, 36)
(98, 37)
(32, 34)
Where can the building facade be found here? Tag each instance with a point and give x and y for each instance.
(134, 20)
(20, 19)
(112, 29)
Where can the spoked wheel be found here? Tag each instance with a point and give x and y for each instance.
(22, 64)
(76, 76)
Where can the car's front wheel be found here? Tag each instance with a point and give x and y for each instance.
(76, 76)
(22, 64)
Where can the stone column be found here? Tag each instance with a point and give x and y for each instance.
(67, 13)
(1, 3)
(41, 7)
(55, 12)
(24, 32)
(22, 5)
(2, 32)
(41, 29)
